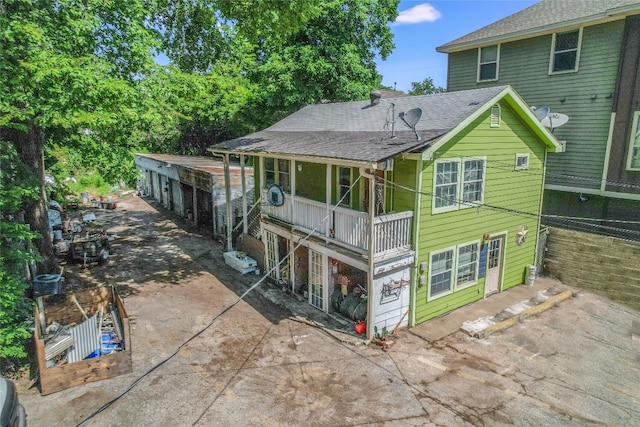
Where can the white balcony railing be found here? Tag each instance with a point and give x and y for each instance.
(343, 226)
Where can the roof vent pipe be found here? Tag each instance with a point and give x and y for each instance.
(375, 96)
(393, 120)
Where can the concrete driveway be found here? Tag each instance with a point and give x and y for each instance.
(575, 364)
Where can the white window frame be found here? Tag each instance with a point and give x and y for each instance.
(455, 205)
(524, 166)
(464, 204)
(459, 202)
(480, 64)
(451, 249)
(553, 52)
(476, 262)
(634, 146)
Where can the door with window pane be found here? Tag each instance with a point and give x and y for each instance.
(316, 282)
(271, 256)
(494, 261)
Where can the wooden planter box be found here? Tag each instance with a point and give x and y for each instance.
(62, 309)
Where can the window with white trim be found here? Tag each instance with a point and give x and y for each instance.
(441, 273)
(276, 171)
(467, 264)
(453, 268)
(565, 51)
(522, 161)
(458, 184)
(634, 148)
(446, 185)
(488, 57)
(473, 181)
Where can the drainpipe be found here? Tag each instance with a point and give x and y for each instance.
(227, 189)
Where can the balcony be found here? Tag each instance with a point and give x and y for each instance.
(343, 226)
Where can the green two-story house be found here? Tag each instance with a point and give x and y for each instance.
(579, 58)
(395, 211)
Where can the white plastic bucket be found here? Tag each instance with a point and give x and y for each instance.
(531, 274)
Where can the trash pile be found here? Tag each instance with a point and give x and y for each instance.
(98, 335)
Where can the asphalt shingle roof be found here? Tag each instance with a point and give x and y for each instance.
(361, 132)
(544, 15)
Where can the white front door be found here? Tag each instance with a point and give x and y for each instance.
(271, 254)
(494, 261)
(316, 280)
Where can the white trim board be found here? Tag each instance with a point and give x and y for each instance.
(612, 194)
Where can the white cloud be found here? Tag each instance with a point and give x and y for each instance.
(420, 13)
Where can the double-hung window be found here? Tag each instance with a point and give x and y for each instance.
(276, 171)
(473, 181)
(458, 184)
(488, 58)
(453, 268)
(344, 183)
(446, 185)
(283, 175)
(565, 51)
(467, 264)
(441, 273)
(634, 147)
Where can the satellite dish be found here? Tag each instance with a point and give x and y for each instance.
(554, 120)
(411, 118)
(541, 112)
(275, 195)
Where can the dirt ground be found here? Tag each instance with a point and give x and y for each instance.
(196, 361)
(142, 251)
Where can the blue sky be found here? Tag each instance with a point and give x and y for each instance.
(422, 26)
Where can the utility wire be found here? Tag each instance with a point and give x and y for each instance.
(216, 317)
(516, 212)
(509, 166)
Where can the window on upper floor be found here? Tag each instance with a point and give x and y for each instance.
(458, 183)
(344, 183)
(634, 146)
(488, 57)
(277, 172)
(284, 179)
(270, 170)
(522, 161)
(565, 51)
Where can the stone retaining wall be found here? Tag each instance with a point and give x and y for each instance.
(604, 265)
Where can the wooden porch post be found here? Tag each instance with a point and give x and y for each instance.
(371, 251)
(245, 219)
(195, 200)
(329, 224)
(227, 190)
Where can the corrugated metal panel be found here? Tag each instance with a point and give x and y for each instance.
(86, 338)
(56, 347)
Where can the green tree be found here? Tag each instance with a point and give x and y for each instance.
(425, 87)
(330, 58)
(67, 71)
(16, 184)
